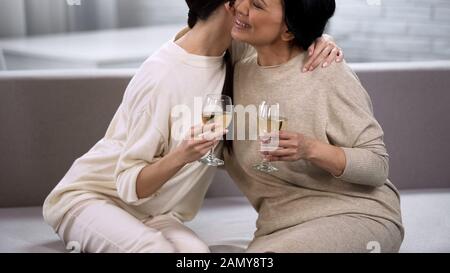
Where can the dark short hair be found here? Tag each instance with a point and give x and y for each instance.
(202, 9)
(307, 19)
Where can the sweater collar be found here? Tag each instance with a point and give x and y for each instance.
(192, 59)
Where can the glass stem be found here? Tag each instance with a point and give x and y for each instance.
(211, 153)
(265, 162)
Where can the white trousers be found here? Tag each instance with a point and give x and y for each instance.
(103, 227)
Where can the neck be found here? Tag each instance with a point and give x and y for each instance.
(276, 54)
(205, 40)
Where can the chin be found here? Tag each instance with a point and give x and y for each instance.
(239, 35)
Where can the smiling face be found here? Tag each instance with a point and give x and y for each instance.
(259, 22)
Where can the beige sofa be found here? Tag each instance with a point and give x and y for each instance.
(50, 118)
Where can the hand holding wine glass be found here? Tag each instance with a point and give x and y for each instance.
(216, 109)
(198, 142)
(293, 146)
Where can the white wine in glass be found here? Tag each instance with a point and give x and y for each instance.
(268, 123)
(216, 109)
(222, 118)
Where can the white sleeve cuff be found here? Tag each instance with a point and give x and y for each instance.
(126, 186)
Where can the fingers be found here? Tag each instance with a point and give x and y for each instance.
(311, 49)
(321, 57)
(199, 141)
(281, 135)
(325, 51)
(214, 135)
(280, 158)
(331, 58)
(286, 144)
(340, 56)
(202, 145)
(285, 135)
(211, 127)
(197, 130)
(319, 46)
(206, 146)
(281, 152)
(202, 150)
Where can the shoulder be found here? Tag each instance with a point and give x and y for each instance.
(150, 80)
(335, 73)
(341, 83)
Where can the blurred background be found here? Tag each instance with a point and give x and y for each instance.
(41, 34)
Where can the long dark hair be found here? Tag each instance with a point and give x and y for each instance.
(228, 90)
(201, 10)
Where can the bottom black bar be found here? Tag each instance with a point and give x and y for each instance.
(174, 263)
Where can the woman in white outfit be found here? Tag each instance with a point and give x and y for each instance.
(134, 189)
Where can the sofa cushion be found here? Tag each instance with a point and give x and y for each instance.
(228, 223)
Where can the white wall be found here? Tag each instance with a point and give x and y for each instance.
(151, 12)
(397, 30)
(45, 16)
(12, 18)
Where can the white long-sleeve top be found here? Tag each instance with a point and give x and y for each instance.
(140, 134)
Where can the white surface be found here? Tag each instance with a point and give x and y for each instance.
(110, 48)
(401, 66)
(63, 74)
(228, 223)
(426, 217)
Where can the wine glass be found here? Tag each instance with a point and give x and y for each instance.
(269, 122)
(216, 109)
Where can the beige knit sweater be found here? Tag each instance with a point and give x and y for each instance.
(329, 105)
